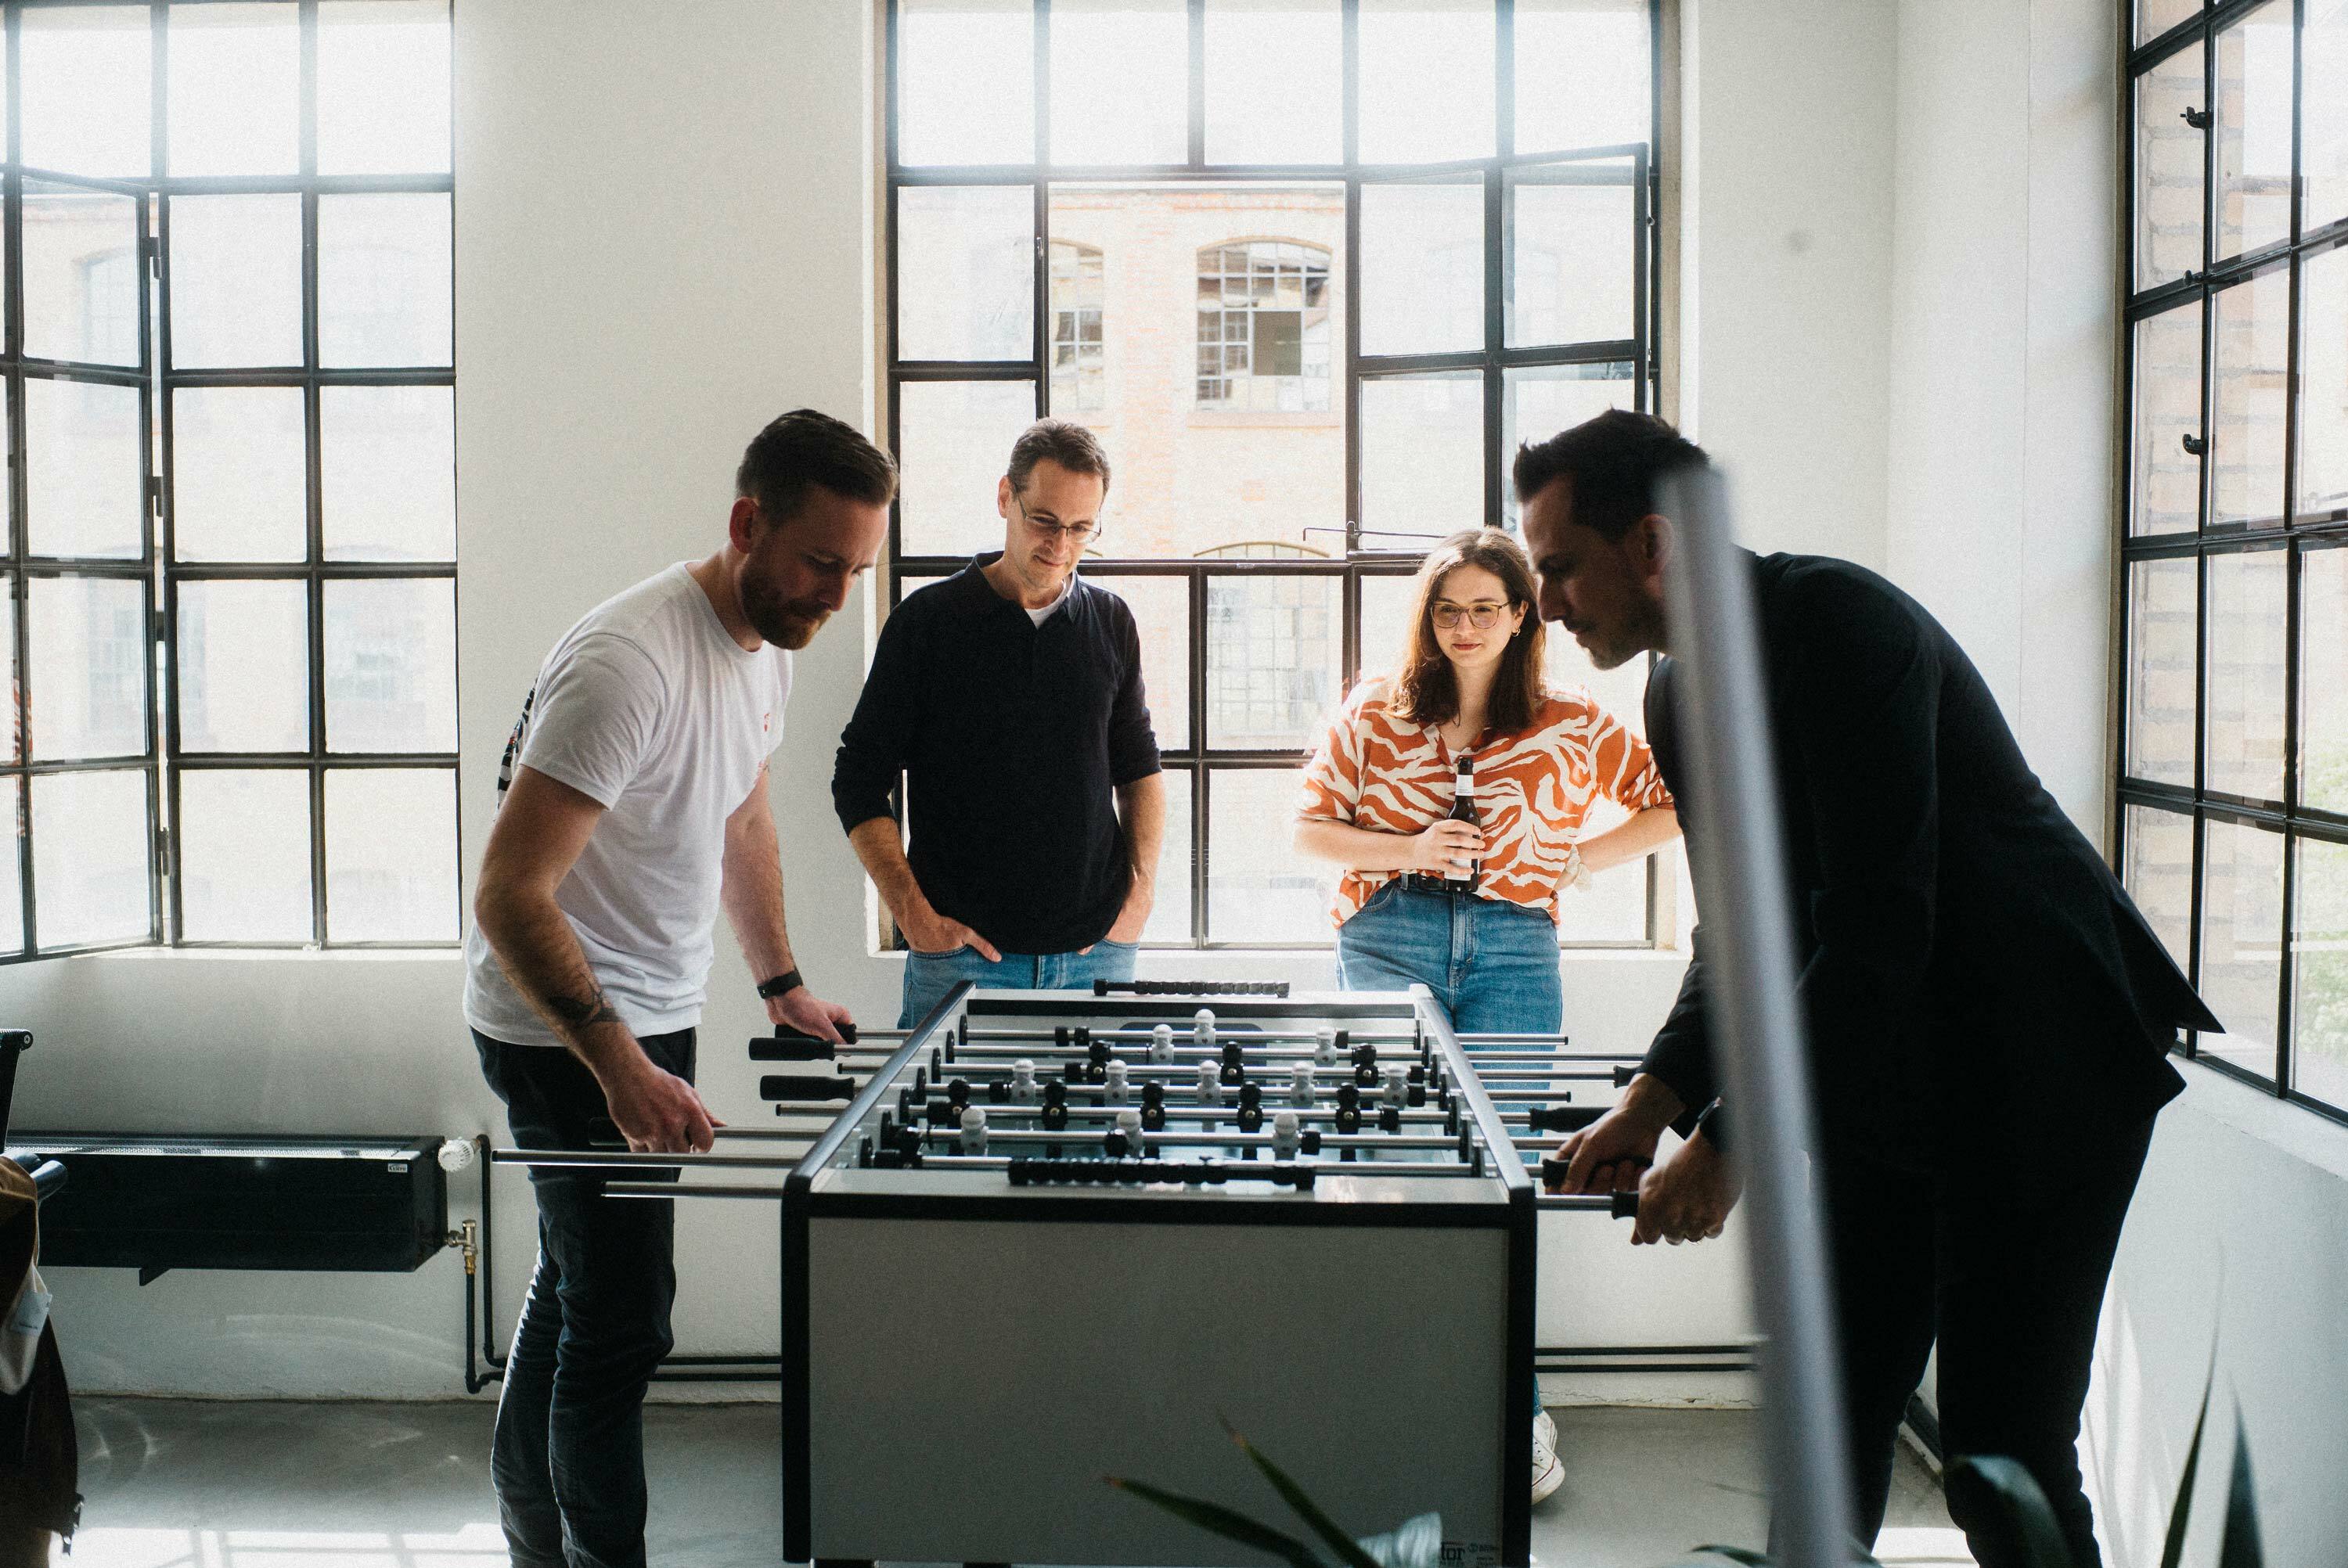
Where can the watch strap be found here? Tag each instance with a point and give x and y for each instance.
(788, 981)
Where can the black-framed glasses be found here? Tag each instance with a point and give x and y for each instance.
(1077, 534)
(1483, 616)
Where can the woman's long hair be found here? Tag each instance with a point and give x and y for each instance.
(1425, 691)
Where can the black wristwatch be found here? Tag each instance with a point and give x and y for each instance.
(1712, 1123)
(788, 980)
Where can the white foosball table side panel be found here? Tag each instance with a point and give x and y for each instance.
(974, 1380)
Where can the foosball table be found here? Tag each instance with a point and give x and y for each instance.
(1054, 1238)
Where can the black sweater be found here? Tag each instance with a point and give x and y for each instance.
(1012, 740)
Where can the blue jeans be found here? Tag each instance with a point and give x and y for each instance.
(929, 976)
(567, 1454)
(1491, 964)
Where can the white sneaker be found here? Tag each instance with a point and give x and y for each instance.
(1547, 1472)
(1545, 1426)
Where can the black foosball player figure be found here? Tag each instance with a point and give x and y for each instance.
(1989, 1015)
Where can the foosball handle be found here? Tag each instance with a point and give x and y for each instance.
(1620, 1205)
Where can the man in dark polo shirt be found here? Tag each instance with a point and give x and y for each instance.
(1009, 699)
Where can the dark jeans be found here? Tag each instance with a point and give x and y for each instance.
(568, 1455)
(2009, 1276)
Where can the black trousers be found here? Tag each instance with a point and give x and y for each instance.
(567, 1455)
(2008, 1275)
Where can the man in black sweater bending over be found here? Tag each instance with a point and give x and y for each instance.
(1988, 1015)
(1009, 699)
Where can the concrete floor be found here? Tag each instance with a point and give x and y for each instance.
(191, 1485)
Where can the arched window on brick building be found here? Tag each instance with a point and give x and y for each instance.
(1079, 361)
(1263, 327)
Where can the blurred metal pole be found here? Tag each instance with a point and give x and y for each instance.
(1756, 1021)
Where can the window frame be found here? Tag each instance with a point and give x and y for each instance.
(157, 566)
(1359, 559)
(2196, 804)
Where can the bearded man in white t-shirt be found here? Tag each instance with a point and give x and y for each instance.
(633, 805)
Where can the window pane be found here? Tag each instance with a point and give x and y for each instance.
(2253, 130)
(1423, 266)
(11, 748)
(2171, 182)
(1583, 74)
(966, 271)
(2319, 1004)
(1275, 81)
(387, 461)
(1273, 648)
(1417, 55)
(2323, 380)
(236, 281)
(391, 854)
(1121, 81)
(2323, 125)
(2246, 673)
(87, 653)
(2158, 871)
(90, 838)
(383, 86)
(1385, 624)
(2323, 680)
(2242, 942)
(1611, 907)
(2161, 636)
(244, 659)
(953, 442)
(84, 490)
(12, 883)
(1258, 889)
(2249, 401)
(391, 665)
(235, 89)
(88, 97)
(1621, 692)
(2165, 496)
(1169, 914)
(943, 47)
(81, 275)
(244, 855)
(2154, 18)
(1541, 400)
(1078, 349)
(1422, 456)
(1572, 251)
(384, 280)
(1161, 612)
(239, 474)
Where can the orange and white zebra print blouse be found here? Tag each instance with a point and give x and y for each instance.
(1533, 788)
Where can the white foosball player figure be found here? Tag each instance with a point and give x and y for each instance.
(1161, 1044)
(1129, 1124)
(1202, 1028)
(1397, 1088)
(1023, 1089)
(1300, 1085)
(1325, 1046)
(1113, 1083)
(1210, 1085)
(973, 1130)
(1285, 1138)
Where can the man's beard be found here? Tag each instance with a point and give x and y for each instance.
(781, 621)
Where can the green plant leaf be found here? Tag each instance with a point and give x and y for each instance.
(1226, 1522)
(1734, 1554)
(2240, 1547)
(2180, 1512)
(1347, 1550)
(2014, 1502)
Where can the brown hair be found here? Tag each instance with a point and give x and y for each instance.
(804, 449)
(1072, 446)
(1425, 689)
(1614, 461)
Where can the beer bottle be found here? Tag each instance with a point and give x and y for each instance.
(1463, 809)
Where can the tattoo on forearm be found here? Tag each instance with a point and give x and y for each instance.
(578, 1013)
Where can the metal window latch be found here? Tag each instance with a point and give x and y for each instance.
(2196, 445)
(2197, 118)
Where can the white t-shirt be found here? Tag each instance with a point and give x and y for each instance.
(1053, 609)
(650, 709)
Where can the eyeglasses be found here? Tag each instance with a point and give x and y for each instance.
(1483, 617)
(1077, 534)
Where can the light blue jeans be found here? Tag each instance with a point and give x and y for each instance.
(1492, 964)
(929, 976)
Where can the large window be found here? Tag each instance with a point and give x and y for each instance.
(1311, 269)
(2233, 762)
(231, 611)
